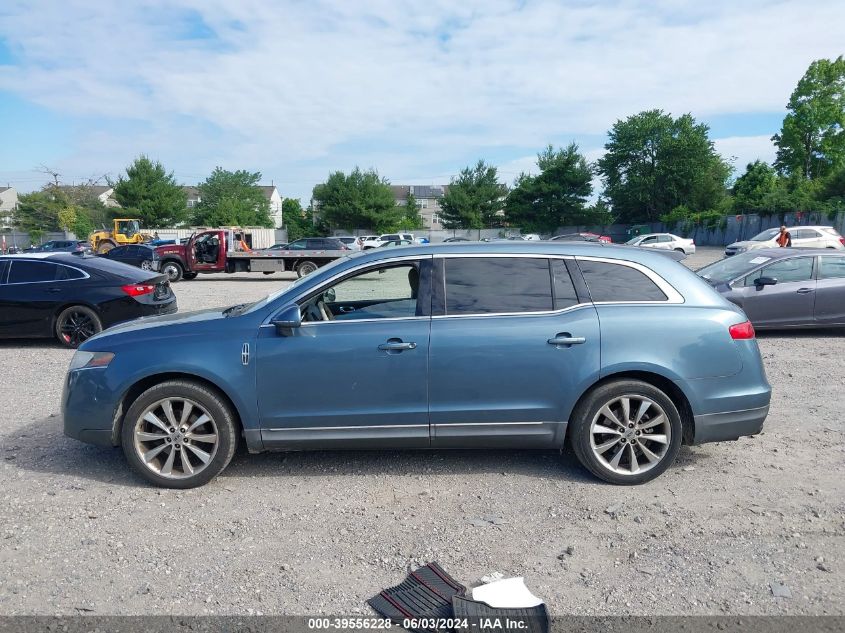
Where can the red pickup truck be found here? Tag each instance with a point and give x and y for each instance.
(222, 251)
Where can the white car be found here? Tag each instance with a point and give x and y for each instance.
(351, 242)
(664, 241)
(802, 237)
(371, 241)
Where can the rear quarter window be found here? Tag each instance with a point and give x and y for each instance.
(617, 282)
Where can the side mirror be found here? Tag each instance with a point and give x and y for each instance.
(286, 319)
(765, 281)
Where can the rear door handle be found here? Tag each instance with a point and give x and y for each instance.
(803, 291)
(567, 339)
(396, 345)
(54, 289)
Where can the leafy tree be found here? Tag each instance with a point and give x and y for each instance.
(297, 221)
(39, 211)
(152, 193)
(361, 200)
(812, 140)
(556, 196)
(474, 199)
(655, 163)
(752, 188)
(411, 219)
(232, 198)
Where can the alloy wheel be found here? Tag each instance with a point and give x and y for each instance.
(176, 438)
(76, 327)
(146, 265)
(630, 434)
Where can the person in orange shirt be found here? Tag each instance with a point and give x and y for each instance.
(784, 238)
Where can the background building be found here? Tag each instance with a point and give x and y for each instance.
(428, 198)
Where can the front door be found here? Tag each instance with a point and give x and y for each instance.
(205, 252)
(787, 303)
(512, 346)
(354, 374)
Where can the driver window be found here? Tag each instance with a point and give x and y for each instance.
(387, 292)
(785, 271)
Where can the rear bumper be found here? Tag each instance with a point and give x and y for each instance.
(729, 425)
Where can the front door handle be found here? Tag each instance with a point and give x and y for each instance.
(803, 291)
(54, 289)
(566, 339)
(396, 345)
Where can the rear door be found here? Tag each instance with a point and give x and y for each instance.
(512, 345)
(830, 290)
(789, 302)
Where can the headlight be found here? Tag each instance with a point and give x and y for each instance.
(87, 360)
(741, 249)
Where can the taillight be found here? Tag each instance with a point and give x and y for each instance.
(692, 242)
(136, 290)
(742, 331)
(842, 241)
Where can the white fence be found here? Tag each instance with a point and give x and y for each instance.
(255, 237)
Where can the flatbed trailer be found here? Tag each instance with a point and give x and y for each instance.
(223, 251)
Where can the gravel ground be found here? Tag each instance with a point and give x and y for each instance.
(750, 527)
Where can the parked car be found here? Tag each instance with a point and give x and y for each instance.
(350, 241)
(60, 246)
(784, 287)
(375, 242)
(281, 246)
(664, 241)
(72, 297)
(531, 237)
(457, 239)
(396, 243)
(365, 238)
(802, 237)
(576, 237)
(317, 244)
(505, 345)
(139, 255)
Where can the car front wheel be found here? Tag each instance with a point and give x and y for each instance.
(179, 434)
(626, 432)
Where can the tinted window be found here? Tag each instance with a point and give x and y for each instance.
(484, 285)
(787, 270)
(29, 271)
(4, 266)
(297, 245)
(313, 244)
(615, 282)
(829, 268)
(66, 272)
(564, 290)
(391, 237)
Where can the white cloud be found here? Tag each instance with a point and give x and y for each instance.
(296, 89)
(741, 150)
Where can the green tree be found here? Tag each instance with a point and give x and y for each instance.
(361, 200)
(812, 140)
(655, 163)
(474, 199)
(751, 190)
(298, 222)
(152, 193)
(39, 211)
(232, 198)
(411, 219)
(555, 197)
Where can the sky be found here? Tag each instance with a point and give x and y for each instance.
(414, 89)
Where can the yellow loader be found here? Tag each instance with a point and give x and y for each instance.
(126, 231)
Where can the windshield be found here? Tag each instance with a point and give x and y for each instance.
(128, 227)
(732, 267)
(273, 296)
(766, 235)
(633, 240)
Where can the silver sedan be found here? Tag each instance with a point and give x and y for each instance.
(664, 241)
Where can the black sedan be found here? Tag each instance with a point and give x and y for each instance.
(72, 297)
(139, 255)
(784, 287)
(60, 246)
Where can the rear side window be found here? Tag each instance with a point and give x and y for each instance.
(488, 285)
(829, 267)
(4, 268)
(28, 271)
(564, 289)
(616, 282)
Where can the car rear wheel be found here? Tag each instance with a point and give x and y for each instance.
(626, 432)
(77, 324)
(306, 268)
(179, 434)
(173, 270)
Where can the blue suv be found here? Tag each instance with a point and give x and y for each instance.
(622, 352)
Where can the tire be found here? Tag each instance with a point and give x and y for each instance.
(105, 246)
(146, 265)
(173, 270)
(588, 440)
(305, 268)
(77, 324)
(180, 459)
(189, 276)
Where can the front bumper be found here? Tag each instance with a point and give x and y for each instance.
(729, 425)
(89, 407)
